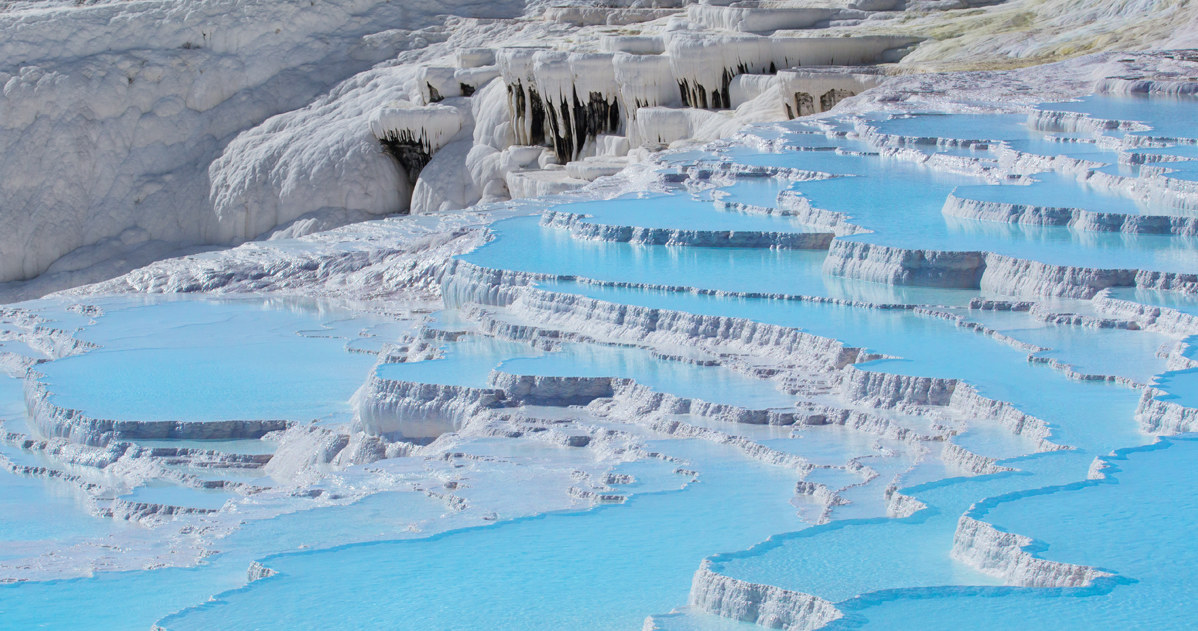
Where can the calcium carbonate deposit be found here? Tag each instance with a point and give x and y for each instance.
(652, 314)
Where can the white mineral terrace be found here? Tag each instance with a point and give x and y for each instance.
(656, 314)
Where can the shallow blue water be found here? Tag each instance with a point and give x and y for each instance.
(826, 561)
(611, 564)
(1137, 525)
(554, 251)
(982, 127)
(470, 361)
(754, 191)
(39, 515)
(1181, 386)
(466, 362)
(902, 205)
(200, 361)
(135, 600)
(1169, 117)
(791, 272)
(1056, 191)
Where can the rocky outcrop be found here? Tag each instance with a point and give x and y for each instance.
(258, 571)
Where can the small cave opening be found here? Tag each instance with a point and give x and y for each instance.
(409, 151)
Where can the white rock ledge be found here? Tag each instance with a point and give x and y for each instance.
(1075, 218)
(765, 605)
(1163, 417)
(54, 421)
(1002, 555)
(580, 228)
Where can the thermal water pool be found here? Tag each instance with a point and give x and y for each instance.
(1136, 524)
(194, 360)
(608, 566)
(611, 566)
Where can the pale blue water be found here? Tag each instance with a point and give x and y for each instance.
(754, 191)
(135, 600)
(1186, 303)
(827, 445)
(927, 346)
(469, 362)
(466, 362)
(714, 384)
(842, 162)
(1137, 525)
(1057, 191)
(739, 269)
(1106, 351)
(791, 272)
(40, 514)
(1187, 170)
(1169, 117)
(172, 495)
(612, 564)
(199, 361)
(609, 567)
(1060, 145)
(994, 441)
(908, 553)
(12, 398)
(901, 204)
(1182, 151)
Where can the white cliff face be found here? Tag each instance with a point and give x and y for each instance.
(122, 115)
(323, 158)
